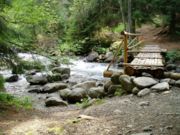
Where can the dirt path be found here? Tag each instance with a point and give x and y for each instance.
(116, 116)
(150, 36)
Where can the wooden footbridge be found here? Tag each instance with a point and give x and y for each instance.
(147, 59)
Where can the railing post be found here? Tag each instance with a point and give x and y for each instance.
(125, 48)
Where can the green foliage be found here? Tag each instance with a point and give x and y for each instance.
(8, 99)
(27, 65)
(173, 55)
(119, 28)
(1, 83)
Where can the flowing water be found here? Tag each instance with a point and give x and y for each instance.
(80, 71)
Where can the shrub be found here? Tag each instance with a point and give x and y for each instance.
(1, 83)
(172, 56)
(9, 99)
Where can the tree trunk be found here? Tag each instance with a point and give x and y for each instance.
(172, 23)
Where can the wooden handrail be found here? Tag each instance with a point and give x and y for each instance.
(130, 34)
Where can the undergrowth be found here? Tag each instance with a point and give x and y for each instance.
(8, 99)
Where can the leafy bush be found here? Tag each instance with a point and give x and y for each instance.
(9, 99)
(26, 65)
(172, 56)
(120, 27)
(1, 83)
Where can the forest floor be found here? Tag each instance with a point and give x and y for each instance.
(115, 116)
(157, 113)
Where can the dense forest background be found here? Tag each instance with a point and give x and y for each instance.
(63, 26)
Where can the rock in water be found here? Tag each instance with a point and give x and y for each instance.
(115, 78)
(13, 78)
(109, 56)
(54, 101)
(52, 87)
(93, 56)
(144, 82)
(85, 85)
(96, 92)
(37, 79)
(143, 92)
(126, 83)
(160, 87)
(61, 70)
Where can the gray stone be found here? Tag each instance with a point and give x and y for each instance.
(135, 90)
(170, 67)
(172, 82)
(85, 85)
(115, 78)
(96, 92)
(148, 128)
(144, 103)
(64, 94)
(76, 95)
(107, 85)
(165, 80)
(53, 87)
(144, 82)
(37, 79)
(93, 56)
(177, 83)
(65, 76)
(147, 74)
(113, 88)
(12, 78)
(160, 87)
(144, 92)
(34, 89)
(61, 70)
(126, 83)
(109, 56)
(54, 77)
(54, 101)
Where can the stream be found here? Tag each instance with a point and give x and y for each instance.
(80, 71)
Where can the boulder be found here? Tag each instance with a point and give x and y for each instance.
(64, 94)
(144, 92)
(109, 56)
(115, 78)
(96, 92)
(85, 85)
(170, 67)
(37, 79)
(93, 56)
(146, 74)
(54, 77)
(65, 76)
(107, 85)
(113, 88)
(76, 95)
(53, 87)
(126, 83)
(54, 101)
(177, 83)
(135, 90)
(165, 80)
(144, 82)
(61, 70)
(12, 78)
(34, 89)
(160, 87)
(178, 69)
